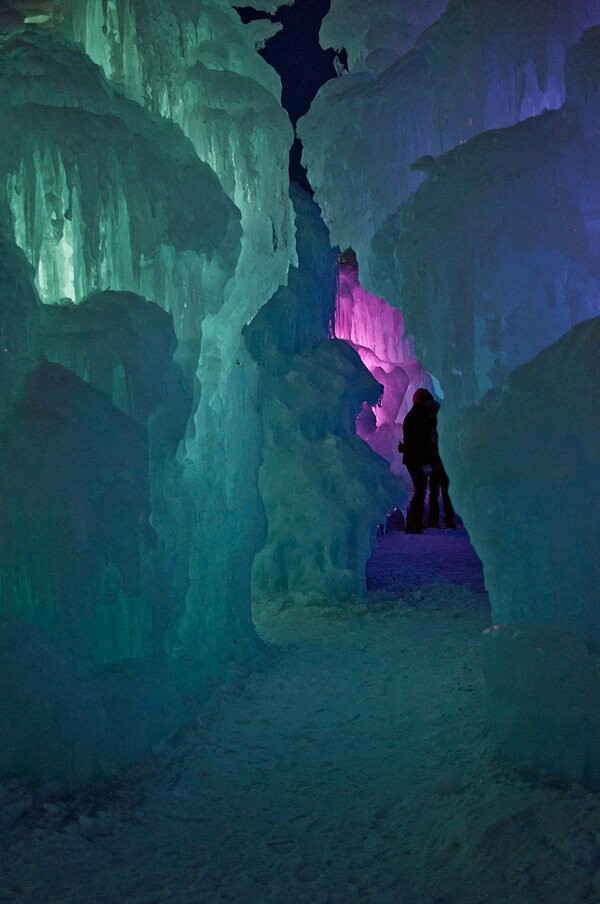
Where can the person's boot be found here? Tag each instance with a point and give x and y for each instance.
(433, 512)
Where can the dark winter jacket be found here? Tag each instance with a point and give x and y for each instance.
(420, 446)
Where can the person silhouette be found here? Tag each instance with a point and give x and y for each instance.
(422, 459)
(418, 453)
(439, 483)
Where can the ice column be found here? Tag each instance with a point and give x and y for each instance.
(323, 489)
(197, 65)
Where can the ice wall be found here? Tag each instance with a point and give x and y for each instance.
(376, 331)
(534, 500)
(520, 408)
(323, 489)
(375, 36)
(196, 64)
(105, 188)
(83, 583)
(482, 65)
(73, 160)
(540, 517)
(519, 265)
(494, 262)
(75, 154)
(86, 598)
(20, 312)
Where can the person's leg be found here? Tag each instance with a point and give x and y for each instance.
(433, 518)
(414, 517)
(449, 513)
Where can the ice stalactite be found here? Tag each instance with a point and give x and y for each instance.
(74, 158)
(376, 331)
(323, 489)
(196, 65)
(479, 66)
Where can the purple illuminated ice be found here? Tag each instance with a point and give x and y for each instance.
(376, 331)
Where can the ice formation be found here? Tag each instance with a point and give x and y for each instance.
(19, 321)
(72, 155)
(145, 219)
(493, 260)
(376, 331)
(163, 399)
(110, 202)
(519, 267)
(375, 36)
(196, 65)
(534, 502)
(481, 65)
(323, 489)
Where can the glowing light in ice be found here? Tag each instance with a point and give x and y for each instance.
(376, 331)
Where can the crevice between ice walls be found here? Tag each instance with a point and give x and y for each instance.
(106, 196)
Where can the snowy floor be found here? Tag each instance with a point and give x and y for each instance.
(352, 767)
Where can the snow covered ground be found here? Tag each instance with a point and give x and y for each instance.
(352, 767)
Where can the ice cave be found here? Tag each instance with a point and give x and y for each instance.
(205, 368)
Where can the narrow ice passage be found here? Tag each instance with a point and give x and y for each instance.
(352, 767)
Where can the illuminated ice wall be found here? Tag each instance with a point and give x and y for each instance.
(143, 175)
(376, 331)
(145, 221)
(466, 175)
(152, 396)
(424, 80)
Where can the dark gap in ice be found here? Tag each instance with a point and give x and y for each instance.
(303, 66)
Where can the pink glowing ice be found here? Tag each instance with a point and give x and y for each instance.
(376, 331)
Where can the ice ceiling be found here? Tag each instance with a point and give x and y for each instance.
(177, 427)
